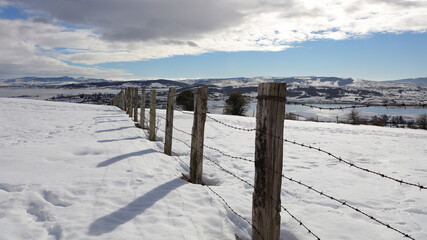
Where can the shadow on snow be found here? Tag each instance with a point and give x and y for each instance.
(110, 222)
(124, 156)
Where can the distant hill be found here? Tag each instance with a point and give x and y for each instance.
(305, 89)
(412, 80)
(38, 81)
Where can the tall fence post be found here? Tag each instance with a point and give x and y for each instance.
(142, 117)
(266, 201)
(131, 102)
(152, 135)
(135, 105)
(198, 132)
(126, 98)
(169, 121)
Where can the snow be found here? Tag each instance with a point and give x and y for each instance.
(76, 171)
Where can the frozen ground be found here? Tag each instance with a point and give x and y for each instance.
(74, 171)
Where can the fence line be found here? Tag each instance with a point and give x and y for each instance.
(242, 180)
(344, 203)
(222, 198)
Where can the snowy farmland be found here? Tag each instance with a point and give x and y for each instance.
(75, 171)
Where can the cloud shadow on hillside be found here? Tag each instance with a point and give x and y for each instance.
(110, 222)
(124, 156)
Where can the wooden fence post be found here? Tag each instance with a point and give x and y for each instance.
(131, 102)
(198, 132)
(126, 100)
(169, 121)
(152, 131)
(122, 100)
(266, 203)
(135, 105)
(142, 117)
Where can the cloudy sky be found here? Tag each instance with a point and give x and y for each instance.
(142, 39)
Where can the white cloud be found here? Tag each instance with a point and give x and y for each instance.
(130, 30)
(24, 52)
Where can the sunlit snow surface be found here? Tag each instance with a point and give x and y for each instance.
(74, 171)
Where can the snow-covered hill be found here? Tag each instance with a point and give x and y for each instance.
(75, 171)
(302, 89)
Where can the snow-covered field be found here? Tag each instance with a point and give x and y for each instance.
(74, 171)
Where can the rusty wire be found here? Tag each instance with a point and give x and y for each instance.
(367, 105)
(212, 148)
(225, 202)
(231, 126)
(251, 185)
(344, 203)
(401, 181)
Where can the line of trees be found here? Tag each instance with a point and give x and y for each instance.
(355, 117)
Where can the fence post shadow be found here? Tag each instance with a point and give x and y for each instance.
(124, 156)
(125, 214)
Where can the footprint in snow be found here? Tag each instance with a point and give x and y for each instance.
(54, 199)
(11, 188)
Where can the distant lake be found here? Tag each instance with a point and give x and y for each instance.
(216, 106)
(45, 93)
(331, 115)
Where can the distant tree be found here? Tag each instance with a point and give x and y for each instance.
(422, 121)
(354, 117)
(236, 104)
(384, 119)
(375, 120)
(410, 123)
(185, 99)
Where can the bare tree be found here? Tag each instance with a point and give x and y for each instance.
(354, 117)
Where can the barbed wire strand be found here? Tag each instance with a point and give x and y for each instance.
(251, 185)
(344, 203)
(231, 126)
(212, 148)
(401, 181)
(362, 105)
(225, 202)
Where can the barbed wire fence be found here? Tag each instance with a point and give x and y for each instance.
(290, 179)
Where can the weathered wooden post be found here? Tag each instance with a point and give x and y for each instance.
(142, 117)
(126, 100)
(270, 117)
(135, 105)
(152, 135)
(131, 102)
(122, 100)
(169, 121)
(198, 133)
